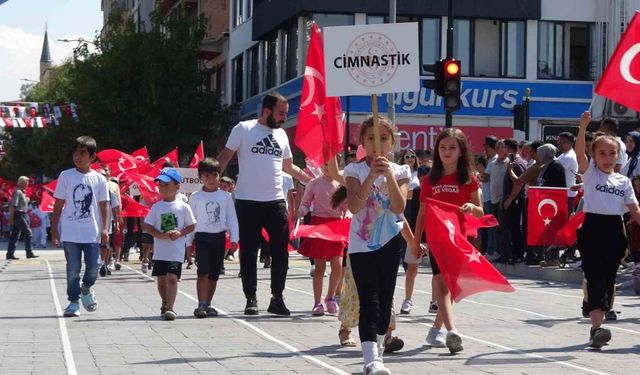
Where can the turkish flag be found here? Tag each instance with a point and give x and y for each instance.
(131, 208)
(337, 230)
(142, 159)
(472, 224)
(620, 81)
(117, 161)
(547, 213)
(46, 203)
(146, 184)
(156, 166)
(51, 186)
(320, 128)
(567, 236)
(464, 269)
(197, 156)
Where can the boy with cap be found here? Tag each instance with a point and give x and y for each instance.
(169, 221)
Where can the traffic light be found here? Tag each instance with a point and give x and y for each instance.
(452, 84)
(437, 84)
(518, 117)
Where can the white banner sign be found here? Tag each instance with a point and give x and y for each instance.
(190, 180)
(371, 59)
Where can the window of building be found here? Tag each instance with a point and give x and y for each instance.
(238, 12)
(327, 19)
(249, 8)
(220, 79)
(290, 52)
(270, 59)
(253, 69)
(375, 20)
(430, 40)
(490, 48)
(237, 79)
(565, 50)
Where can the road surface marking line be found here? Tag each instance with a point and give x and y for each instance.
(64, 334)
(262, 333)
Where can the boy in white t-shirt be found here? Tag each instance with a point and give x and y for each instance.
(169, 221)
(215, 214)
(81, 209)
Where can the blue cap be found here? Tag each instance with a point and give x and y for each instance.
(168, 175)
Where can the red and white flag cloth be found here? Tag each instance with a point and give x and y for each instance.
(620, 81)
(131, 208)
(146, 184)
(117, 161)
(547, 213)
(46, 202)
(464, 269)
(337, 230)
(156, 166)
(197, 156)
(320, 128)
(568, 235)
(142, 159)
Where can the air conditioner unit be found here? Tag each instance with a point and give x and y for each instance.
(616, 110)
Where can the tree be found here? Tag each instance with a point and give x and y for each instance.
(135, 89)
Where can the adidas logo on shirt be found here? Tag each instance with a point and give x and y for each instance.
(267, 146)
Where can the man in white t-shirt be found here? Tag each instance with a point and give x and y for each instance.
(610, 126)
(263, 154)
(568, 159)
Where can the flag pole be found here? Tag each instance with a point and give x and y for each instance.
(376, 127)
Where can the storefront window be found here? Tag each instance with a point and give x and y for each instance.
(565, 50)
(430, 40)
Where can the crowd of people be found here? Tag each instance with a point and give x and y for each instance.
(385, 202)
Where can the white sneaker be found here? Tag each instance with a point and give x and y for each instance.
(112, 265)
(406, 306)
(145, 267)
(376, 368)
(436, 338)
(433, 306)
(454, 342)
(312, 271)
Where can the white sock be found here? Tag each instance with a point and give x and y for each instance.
(369, 351)
(380, 339)
(453, 331)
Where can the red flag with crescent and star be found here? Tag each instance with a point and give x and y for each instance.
(197, 156)
(620, 81)
(156, 166)
(117, 160)
(46, 202)
(464, 269)
(142, 159)
(320, 128)
(131, 208)
(547, 213)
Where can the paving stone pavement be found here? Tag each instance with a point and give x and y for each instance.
(536, 330)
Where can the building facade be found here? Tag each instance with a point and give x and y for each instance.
(557, 49)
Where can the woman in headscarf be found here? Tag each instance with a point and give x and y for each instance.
(552, 174)
(631, 168)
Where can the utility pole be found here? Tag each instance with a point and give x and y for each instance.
(391, 109)
(449, 115)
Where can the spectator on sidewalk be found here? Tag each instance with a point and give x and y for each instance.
(497, 169)
(19, 220)
(512, 206)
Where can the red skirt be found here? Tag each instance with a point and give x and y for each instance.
(321, 249)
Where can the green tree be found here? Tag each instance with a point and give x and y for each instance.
(134, 89)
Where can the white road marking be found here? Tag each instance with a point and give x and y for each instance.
(262, 333)
(64, 334)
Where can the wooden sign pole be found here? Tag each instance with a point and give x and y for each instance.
(376, 127)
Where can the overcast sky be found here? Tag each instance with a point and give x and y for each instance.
(22, 24)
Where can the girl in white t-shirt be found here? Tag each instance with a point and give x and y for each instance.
(376, 195)
(606, 195)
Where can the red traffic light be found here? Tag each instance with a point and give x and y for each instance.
(452, 68)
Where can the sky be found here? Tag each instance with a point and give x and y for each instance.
(22, 24)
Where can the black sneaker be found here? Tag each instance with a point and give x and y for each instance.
(211, 311)
(599, 337)
(610, 315)
(252, 306)
(278, 307)
(200, 312)
(103, 270)
(585, 309)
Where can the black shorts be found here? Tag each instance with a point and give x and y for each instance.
(435, 270)
(146, 238)
(163, 267)
(210, 249)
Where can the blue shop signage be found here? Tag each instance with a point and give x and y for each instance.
(482, 98)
